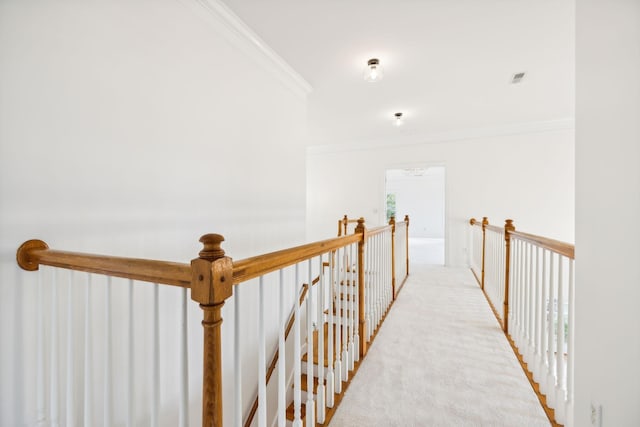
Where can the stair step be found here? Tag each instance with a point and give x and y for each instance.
(303, 383)
(305, 357)
(303, 411)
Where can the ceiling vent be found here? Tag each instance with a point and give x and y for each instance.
(517, 78)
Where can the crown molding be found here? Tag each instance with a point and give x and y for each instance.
(447, 137)
(219, 16)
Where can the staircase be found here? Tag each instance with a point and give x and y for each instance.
(337, 337)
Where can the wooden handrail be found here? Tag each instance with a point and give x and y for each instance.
(343, 223)
(257, 266)
(377, 230)
(495, 228)
(210, 277)
(34, 253)
(509, 232)
(556, 246)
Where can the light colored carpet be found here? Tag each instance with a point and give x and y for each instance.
(440, 359)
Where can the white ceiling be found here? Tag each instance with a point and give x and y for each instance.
(448, 63)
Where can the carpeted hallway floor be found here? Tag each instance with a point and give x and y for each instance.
(440, 359)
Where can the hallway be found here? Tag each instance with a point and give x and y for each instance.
(440, 359)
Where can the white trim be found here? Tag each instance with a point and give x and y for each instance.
(449, 136)
(218, 15)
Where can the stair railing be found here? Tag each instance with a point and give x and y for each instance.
(349, 301)
(400, 252)
(532, 277)
(343, 225)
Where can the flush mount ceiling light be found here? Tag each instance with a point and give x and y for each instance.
(399, 121)
(373, 72)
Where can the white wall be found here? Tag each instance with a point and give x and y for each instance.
(423, 195)
(607, 211)
(132, 128)
(527, 177)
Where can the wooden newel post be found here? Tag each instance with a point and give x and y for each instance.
(362, 327)
(392, 223)
(342, 225)
(211, 285)
(406, 241)
(508, 227)
(485, 222)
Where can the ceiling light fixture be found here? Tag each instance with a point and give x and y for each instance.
(399, 120)
(373, 72)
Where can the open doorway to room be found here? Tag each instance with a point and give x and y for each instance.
(420, 193)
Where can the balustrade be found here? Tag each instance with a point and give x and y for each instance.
(532, 277)
(330, 295)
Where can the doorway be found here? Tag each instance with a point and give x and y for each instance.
(420, 193)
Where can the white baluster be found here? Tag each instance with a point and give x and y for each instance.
(338, 362)
(376, 282)
(544, 317)
(282, 392)
(386, 283)
(520, 286)
(297, 393)
(237, 358)
(88, 364)
(53, 403)
(502, 251)
(131, 361)
(368, 287)
(550, 355)
(310, 413)
(531, 309)
(107, 355)
(320, 392)
(514, 304)
(560, 387)
(495, 290)
(389, 270)
(570, 357)
(70, 396)
(262, 362)
(155, 358)
(344, 315)
(184, 361)
(537, 319)
(381, 277)
(524, 307)
(330, 338)
(356, 309)
(522, 301)
(41, 417)
(351, 312)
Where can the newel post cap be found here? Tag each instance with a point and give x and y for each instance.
(24, 254)
(212, 272)
(212, 249)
